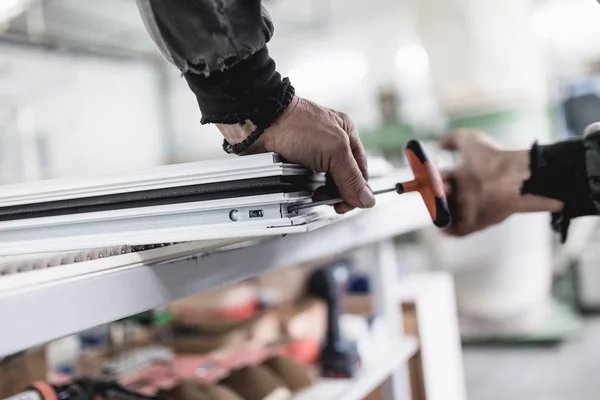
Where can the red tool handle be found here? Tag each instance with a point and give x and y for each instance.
(428, 182)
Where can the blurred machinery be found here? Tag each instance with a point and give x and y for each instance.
(392, 133)
(581, 107)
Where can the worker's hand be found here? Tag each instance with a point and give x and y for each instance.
(486, 188)
(319, 139)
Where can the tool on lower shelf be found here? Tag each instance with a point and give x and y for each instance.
(80, 389)
(428, 182)
(339, 357)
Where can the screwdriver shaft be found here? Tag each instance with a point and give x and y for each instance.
(333, 201)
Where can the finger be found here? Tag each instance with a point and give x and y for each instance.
(463, 203)
(456, 224)
(457, 207)
(447, 175)
(356, 145)
(455, 231)
(450, 184)
(448, 189)
(349, 179)
(448, 178)
(468, 202)
(343, 208)
(450, 231)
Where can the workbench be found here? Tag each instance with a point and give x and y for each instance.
(40, 306)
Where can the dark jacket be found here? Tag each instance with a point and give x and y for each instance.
(220, 46)
(203, 36)
(568, 171)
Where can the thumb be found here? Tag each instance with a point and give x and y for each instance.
(350, 182)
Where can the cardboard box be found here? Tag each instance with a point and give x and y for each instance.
(218, 310)
(283, 286)
(18, 372)
(261, 331)
(359, 305)
(202, 344)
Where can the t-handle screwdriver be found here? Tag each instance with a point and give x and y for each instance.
(330, 202)
(428, 182)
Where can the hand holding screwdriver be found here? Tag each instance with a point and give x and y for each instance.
(428, 182)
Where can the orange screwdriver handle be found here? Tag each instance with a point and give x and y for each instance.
(428, 182)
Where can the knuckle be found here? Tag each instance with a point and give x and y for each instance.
(347, 121)
(339, 144)
(345, 118)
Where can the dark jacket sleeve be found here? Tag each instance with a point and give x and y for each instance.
(220, 46)
(203, 36)
(568, 171)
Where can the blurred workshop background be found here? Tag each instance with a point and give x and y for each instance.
(83, 91)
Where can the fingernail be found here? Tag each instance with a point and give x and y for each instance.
(366, 197)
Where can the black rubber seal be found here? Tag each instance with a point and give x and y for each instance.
(148, 198)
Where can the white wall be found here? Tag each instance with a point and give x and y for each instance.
(9, 160)
(96, 115)
(191, 140)
(569, 30)
(343, 65)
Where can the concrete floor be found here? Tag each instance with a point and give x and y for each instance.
(570, 371)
